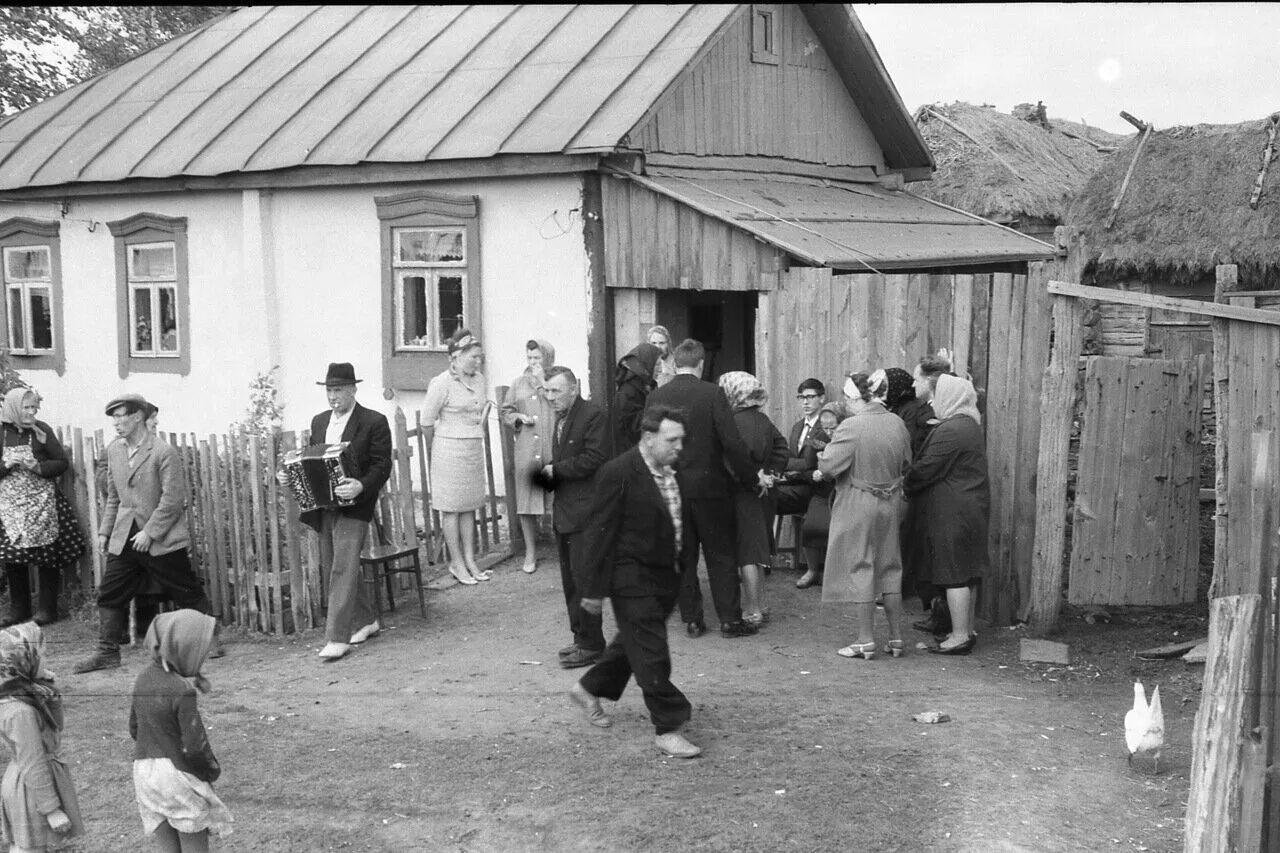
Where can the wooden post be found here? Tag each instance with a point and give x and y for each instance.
(1225, 281)
(1228, 759)
(1057, 412)
(404, 478)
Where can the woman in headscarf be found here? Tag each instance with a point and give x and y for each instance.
(529, 415)
(454, 412)
(665, 368)
(632, 381)
(754, 512)
(866, 460)
(895, 388)
(948, 483)
(38, 527)
(38, 805)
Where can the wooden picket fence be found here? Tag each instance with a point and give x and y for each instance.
(259, 563)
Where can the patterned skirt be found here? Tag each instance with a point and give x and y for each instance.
(457, 474)
(62, 551)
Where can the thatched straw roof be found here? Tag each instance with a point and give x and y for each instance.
(1186, 208)
(1008, 167)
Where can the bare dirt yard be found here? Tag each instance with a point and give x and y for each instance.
(453, 733)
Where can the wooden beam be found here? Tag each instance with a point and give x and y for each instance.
(960, 130)
(1058, 404)
(1169, 303)
(1124, 186)
(1227, 760)
(1136, 122)
(659, 163)
(1225, 280)
(1267, 154)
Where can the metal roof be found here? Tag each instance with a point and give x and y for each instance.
(265, 88)
(856, 227)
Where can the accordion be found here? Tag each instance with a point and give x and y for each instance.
(313, 473)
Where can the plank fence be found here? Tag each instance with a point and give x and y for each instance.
(261, 565)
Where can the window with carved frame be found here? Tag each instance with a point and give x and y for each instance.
(31, 273)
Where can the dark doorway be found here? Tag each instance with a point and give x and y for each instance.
(724, 321)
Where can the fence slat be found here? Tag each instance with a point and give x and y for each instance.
(273, 522)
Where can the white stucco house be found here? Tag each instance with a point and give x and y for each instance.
(290, 186)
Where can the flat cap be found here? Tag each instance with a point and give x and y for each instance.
(134, 399)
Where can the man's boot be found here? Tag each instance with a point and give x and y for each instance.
(19, 594)
(110, 623)
(50, 586)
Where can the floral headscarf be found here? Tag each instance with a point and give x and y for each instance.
(22, 674)
(743, 390)
(893, 386)
(180, 641)
(955, 396)
(639, 362)
(11, 411)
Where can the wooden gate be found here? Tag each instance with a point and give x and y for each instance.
(1136, 535)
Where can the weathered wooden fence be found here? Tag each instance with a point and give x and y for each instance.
(996, 327)
(259, 563)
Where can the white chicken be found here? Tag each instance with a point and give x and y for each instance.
(1144, 726)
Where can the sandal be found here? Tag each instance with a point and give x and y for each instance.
(858, 650)
(896, 648)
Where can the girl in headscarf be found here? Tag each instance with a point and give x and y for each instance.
(38, 806)
(895, 388)
(866, 460)
(173, 764)
(455, 412)
(38, 527)
(768, 449)
(633, 380)
(529, 415)
(949, 486)
(665, 368)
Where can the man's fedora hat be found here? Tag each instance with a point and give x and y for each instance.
(340, 373)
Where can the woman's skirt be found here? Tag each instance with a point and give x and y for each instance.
(62, 551)
(166, 793)
(754, 545)
(457, 474)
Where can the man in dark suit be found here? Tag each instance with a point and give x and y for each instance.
(793, 495)
(144, 531)
(712, 441)
(580, 447)
(342, 530)
(631, 544)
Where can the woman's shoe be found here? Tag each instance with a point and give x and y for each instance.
(858, 650)
(462, 576)
(896, 648)
(756, 618)
(483, 576)
(961, 648)
(529, 567)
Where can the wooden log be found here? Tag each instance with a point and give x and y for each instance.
(1057, 414)
(1224, 804)
(1124, 186)
(1171, 650)
(1141, 125)
(1267, 154)
(1169, 303)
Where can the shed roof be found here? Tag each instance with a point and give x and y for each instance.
(269, 88)
(1186, 207)
(1006, 167)
(855, 227)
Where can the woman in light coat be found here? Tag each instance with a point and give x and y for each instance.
(529, 415)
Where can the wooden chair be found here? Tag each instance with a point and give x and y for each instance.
(796, 551)
(382, 560)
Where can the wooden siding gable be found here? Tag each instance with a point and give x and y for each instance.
(728, 103)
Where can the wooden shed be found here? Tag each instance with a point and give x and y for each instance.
(1021, 169)
(1162, 213)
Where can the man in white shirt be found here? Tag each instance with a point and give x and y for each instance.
(793, 495)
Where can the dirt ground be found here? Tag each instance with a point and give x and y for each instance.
(453, 733)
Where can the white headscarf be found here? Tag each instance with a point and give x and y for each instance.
(955, 396)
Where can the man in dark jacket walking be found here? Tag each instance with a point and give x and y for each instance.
(580, 447)
(712, 449)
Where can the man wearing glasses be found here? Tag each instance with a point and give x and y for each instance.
(793, 495)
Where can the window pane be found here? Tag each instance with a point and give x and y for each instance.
(168, 320)
(151, 261)
(435, 246)
(27, 263)
(41, 318)
(17, 333)
(413, 304)
(142, 320)
(449, 299)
